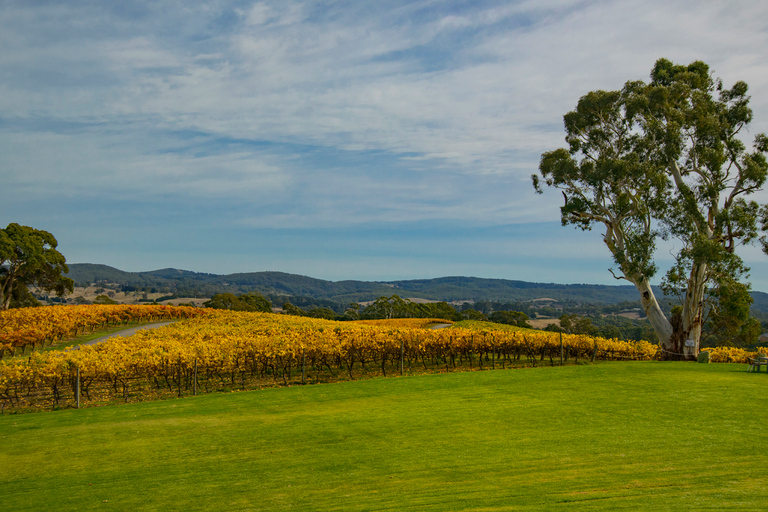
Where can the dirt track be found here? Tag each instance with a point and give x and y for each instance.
(127, 332)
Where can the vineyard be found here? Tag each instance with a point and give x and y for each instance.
(31, 327)
(213, 350)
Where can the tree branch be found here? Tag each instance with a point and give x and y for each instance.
(619, 277)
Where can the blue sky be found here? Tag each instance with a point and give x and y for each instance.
(341, 140)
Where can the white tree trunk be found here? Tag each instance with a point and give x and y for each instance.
(659, 322)
(693, 310)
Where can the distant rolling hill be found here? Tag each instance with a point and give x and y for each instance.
(186, 283)
(279, 283)
(474, 288)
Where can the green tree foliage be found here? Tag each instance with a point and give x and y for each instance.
(352, 312)
(23, 298)
(225, 301)
(247, 302)
(397, 307)
(608, 332)
(576, 324)
(257, 302)
(28, 257)
(510, 318)
(553, 328)
(290, 309)
(103, 299)
(749, 334)
(326, 313)
(436, 310)
(315, 312)
(473, 314)
(388, 307)
(666, 159)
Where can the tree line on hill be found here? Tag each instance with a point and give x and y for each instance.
(29, 260)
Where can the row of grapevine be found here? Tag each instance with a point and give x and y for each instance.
(20, 328)
(226, 349)
(733, 354)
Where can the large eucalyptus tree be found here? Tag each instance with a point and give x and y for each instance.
(666, 159)
(28, 257)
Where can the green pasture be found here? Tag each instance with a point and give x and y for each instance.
(609, 436)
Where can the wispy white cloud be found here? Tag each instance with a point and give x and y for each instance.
(43, 165)
(335, 113)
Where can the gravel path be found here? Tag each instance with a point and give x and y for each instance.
(128, 332)
(440, 326)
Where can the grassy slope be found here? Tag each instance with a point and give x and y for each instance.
(613, 436)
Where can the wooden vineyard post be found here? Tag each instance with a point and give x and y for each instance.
(303, 367)
(77, 387)
(561, 349)
(178, 375)
(493, 357)
(480, 353)
(594, 354)
(194, 381)
(402, 354)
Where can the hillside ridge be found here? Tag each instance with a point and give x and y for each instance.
(449, 288)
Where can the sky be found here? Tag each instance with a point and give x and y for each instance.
(340, 140)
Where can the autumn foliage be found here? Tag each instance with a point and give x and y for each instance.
(20, 328)
(220, 349)
(239, 349)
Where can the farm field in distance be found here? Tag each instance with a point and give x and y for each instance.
(90, 293)
(608, 436)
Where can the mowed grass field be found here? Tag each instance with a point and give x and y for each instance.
(609, 436)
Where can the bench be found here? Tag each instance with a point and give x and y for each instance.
(756, 363)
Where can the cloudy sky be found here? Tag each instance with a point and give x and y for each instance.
(338, 139)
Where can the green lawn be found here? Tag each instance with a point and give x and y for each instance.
(610, 436)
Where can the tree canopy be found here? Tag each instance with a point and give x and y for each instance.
(667, 160)
(28, 257)
(397, 307)
(517, 318)
(253, 301)
(576, 324)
